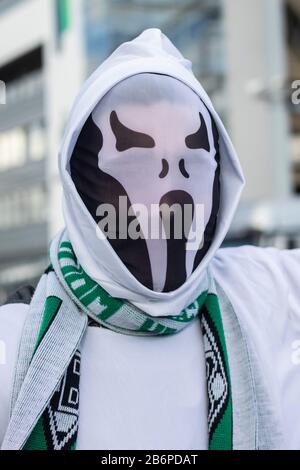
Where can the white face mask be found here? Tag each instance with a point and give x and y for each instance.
(152, 141)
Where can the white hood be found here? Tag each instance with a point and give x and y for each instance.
(150, 52)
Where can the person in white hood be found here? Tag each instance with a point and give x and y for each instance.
(135, 341)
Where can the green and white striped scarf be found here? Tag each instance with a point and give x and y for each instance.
(48, 374)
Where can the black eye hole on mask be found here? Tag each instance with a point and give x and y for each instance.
(127, 138)
(199, 140)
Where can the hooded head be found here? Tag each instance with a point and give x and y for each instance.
(150, 177)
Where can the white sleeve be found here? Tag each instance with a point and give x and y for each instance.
(12, 318)
(290, 385)
(263, 285)
(290, 262)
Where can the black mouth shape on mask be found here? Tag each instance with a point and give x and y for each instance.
(176, 242)
(96, 187)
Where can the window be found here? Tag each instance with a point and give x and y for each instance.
(37, 204)
(20, 143)
(13, 148)
(196, 28)
(36, 141)
(5, 4)
(4, 151)
(23, 207)
(24, 88)
(4, 211)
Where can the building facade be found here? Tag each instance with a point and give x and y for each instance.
(245, 53)
(42, 69)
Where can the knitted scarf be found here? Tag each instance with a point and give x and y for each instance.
(55, 423)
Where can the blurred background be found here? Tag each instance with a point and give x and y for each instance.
(246, 53)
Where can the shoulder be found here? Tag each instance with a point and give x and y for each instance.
(253, 265)
(246, 254)
(257, 284)
(265, 269)
(23, 295)
(263, 285)
(13, 311)
(12, 318)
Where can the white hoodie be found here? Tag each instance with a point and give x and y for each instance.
(150, 52)
(150, 393)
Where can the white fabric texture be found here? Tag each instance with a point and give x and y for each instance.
(11, 324)
(262, 285)
(160, 403)
(150, 52)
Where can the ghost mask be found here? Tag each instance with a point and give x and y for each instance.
(150, 148)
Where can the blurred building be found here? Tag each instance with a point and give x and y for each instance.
(292, 17)
(246, 54)
(42, 68)
(263, 56)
